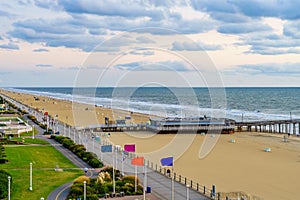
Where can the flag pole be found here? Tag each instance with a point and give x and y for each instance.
(145, 182)
(114, 182)
(101, 153)
(172, 182)
(116, 159)
(135, 180)
(122, 164)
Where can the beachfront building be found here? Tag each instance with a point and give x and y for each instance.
(13, 126)
(190, 125)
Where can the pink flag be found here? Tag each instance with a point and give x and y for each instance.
(129, 147)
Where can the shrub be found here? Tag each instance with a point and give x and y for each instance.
(4, 183)
(80, 179)
(130, 179)
(80, 151)
(92, 197)
(110, 171)
(95, 163)
(76, 190)
(67, 142)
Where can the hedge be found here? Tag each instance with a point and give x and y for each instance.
(79, 150)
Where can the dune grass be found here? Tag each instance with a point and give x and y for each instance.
(45, 178)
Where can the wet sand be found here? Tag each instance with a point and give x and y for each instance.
(240, 166)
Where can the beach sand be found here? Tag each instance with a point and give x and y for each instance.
(240, 166)
(83, 115)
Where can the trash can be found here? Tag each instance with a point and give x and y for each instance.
(148, 189)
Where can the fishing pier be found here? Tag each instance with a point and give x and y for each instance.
(171, 125)
(271, 126)
(201, 125)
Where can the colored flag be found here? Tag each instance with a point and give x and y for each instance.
(138, 161)
(129, 147)
(98, 139)
(167, 161)
(106, 148)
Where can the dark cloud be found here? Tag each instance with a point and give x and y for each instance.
(287, 9)
(144, 40)
(143, 53)
(270, 44)
(154, 66)
(242, 28)
(213, 6)
(194, 46)
(54, 26)
(47, 4)
(10, 46)
(44, 65)
(270, 69)
(40, 50)
(84, 42)
(272, 51)
(230, 17)
(292, 29)
(75, 68)
(124, 8)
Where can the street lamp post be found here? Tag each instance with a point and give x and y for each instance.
(187, 192)
(84, 190)
(69, 131)
(32, 131)
(93, 144)
(8, 187)
(30, 174)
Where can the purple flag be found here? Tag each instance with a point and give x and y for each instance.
(167, 161)
(129, 147)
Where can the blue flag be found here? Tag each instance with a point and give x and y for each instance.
(106, 148)
(167, 161)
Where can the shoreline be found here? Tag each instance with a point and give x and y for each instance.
(75, 113)
(239, 166)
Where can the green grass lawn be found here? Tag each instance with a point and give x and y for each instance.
(45, 179)
(31, 141)
(29, 133)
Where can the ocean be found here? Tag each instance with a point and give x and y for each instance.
(239, 103)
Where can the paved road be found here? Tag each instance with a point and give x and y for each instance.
(62, 191)
(160, 184)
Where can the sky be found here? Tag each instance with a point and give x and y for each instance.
(231, 43)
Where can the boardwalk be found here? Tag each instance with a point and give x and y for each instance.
(160, 184)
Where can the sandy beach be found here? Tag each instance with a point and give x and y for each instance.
(83, 115)
(239, 166)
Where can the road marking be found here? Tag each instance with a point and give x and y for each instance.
(56, 198)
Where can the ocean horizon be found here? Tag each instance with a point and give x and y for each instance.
(238, 103)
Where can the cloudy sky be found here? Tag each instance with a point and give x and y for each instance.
(149, 42)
